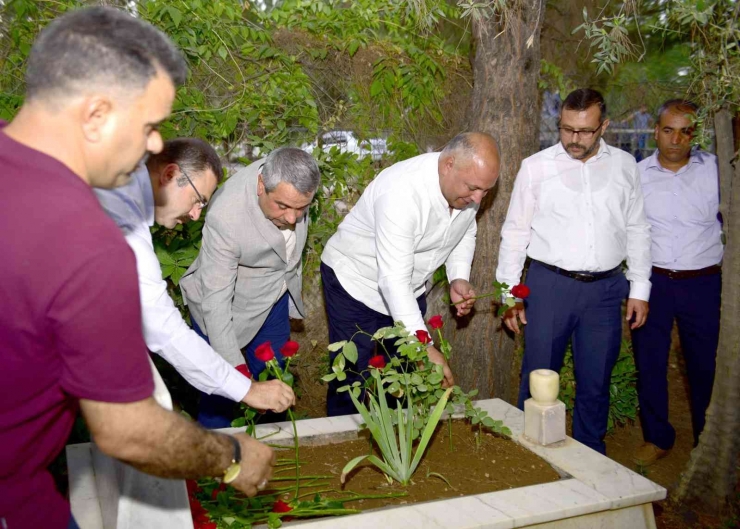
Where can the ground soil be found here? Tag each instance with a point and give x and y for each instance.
(446, 471)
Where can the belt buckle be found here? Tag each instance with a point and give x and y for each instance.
(585, 278)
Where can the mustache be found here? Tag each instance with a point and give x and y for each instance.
(575, 145)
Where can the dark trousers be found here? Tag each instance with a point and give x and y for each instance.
(215, 411)
(72, 523)
(345, 315)
(560, 309)
(695, 304)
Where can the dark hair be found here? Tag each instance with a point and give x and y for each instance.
(678, 104)
(292, 166)
(585, 98)
(99, 44)
(191, 154)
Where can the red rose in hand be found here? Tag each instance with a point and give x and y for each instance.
(435, 322)
(377, 361)
(520, 291)
(281, 506)
(264, 352)
(423, 337)
(289, 349)
(244, 370)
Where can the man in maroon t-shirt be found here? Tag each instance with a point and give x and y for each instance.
(98, 83)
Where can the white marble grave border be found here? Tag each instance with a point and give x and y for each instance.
(596, 492)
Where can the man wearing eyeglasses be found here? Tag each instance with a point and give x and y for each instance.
(249, 266)
(577, 212)
(172, 188)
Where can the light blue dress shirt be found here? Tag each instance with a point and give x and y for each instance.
(682, 211)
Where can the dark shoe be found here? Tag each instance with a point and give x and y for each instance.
(648, 454)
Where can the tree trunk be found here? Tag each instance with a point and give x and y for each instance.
(506, 105)
(711, 475)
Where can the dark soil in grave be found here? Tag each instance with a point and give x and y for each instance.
(497, 464)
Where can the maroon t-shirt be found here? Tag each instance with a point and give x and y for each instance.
(70, 325)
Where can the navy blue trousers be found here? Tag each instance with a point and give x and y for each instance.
(345, 315)
(215, 411)
(560, 309)
(695, 304)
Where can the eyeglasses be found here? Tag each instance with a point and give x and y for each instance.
(202, 202)
(586, 134)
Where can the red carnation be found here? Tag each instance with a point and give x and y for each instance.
(377, 361)
(264, 352)
(435, 322)
(281, 506)
(520, 291)
(290, 348)
(423, 337)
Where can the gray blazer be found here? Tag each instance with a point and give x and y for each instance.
(235, 281)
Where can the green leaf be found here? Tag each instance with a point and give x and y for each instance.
(336, 346)
(222, 52)
(350, 352)
(329, 377)
(175, 14)
(350, 466)
(353, 47)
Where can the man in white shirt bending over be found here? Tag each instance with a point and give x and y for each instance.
(414, 217)
(577, 212)
(172, 188)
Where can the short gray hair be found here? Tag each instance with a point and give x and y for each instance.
(292, 166)
(460, 144)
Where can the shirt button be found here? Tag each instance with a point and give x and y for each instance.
(674, 194)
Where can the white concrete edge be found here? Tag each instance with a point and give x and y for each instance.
(83, 491)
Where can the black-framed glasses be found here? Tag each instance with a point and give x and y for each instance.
(585, 134)
(202, 202)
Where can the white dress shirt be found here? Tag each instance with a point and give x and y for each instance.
(165, 332)
(682, 209)
(578, 216)
(399, 232)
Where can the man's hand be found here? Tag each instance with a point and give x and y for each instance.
(639, 309)
(461, 294)
(257, 463)
(437, 358)
(270, 395)
(510, 318)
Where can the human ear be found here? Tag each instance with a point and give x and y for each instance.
(97, 118)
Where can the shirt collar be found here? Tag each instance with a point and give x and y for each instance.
(694, 158)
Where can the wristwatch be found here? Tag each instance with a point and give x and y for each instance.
(233, 470)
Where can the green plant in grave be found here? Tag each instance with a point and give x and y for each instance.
(408, 374)
(623, 404)
(392, 433)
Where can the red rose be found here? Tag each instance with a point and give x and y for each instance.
(221, 487)
(244, 370)
(435, 322)
(377, 361)
(290, 348)
(264, 352)
(520, 291)
(281, 506)
(423, 337)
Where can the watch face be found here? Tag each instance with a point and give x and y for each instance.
(232, 472)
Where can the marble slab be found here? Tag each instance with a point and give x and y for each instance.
(594, 492)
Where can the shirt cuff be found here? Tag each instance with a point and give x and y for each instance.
(640, 290)
(235, 387)
(457, 271)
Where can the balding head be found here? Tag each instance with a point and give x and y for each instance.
(468, 168)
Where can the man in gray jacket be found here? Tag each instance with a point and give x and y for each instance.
(249, 267)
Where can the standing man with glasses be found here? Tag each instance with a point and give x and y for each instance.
(249, 266)
(577, 212)
(164, 190)
(681, 188)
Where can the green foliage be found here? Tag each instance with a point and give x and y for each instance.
(622, 388)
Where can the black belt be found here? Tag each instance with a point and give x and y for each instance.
(687, 274)
(586, 277)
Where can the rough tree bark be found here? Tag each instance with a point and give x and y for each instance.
(711, 475)
(505, 103)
